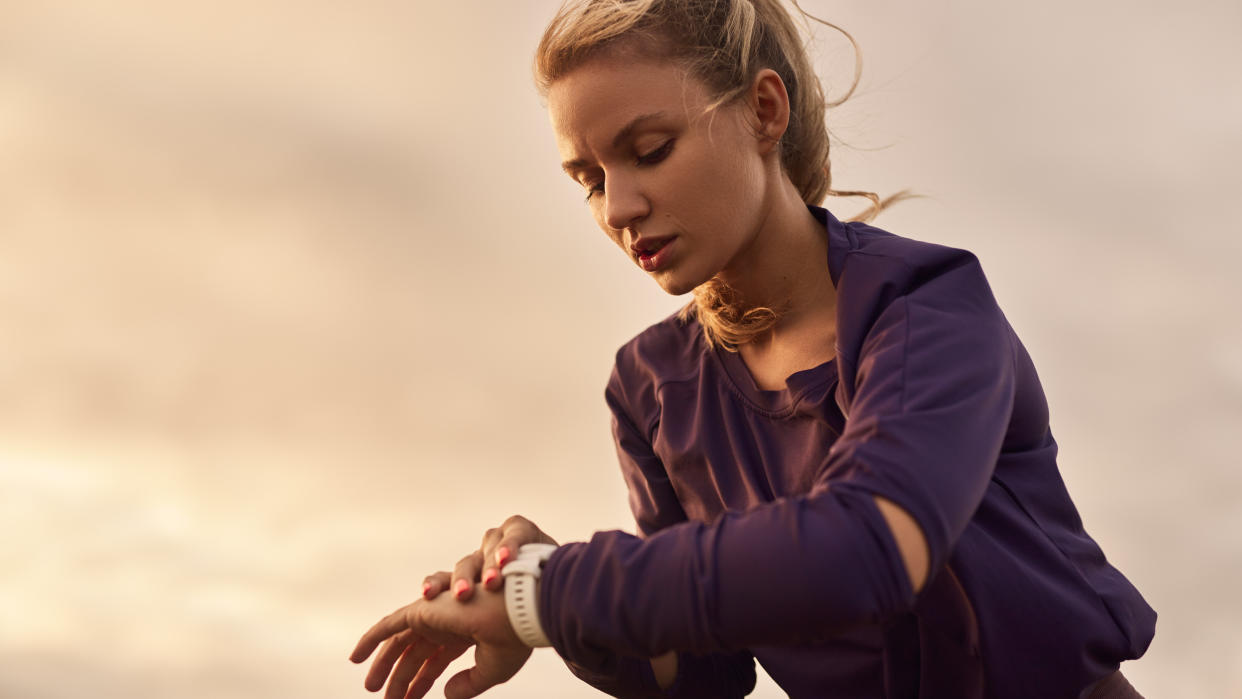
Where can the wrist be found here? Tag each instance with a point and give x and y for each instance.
(522, 577)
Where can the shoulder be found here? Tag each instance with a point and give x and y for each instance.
(670, 350)
(877, 260)
(914, 318)
(875, 268)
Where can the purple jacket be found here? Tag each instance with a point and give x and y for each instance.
(761, 537)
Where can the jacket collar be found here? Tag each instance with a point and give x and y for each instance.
(841, 240)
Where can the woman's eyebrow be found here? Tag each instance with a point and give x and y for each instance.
(626, 132)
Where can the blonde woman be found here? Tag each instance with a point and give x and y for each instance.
(838, 454)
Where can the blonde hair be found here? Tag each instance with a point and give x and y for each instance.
(724, 44)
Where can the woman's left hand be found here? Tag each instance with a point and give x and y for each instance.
(422, 638)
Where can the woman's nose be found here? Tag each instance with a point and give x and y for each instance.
(624, 204)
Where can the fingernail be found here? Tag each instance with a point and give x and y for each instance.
(460, 587)
(426, 588)
(489, 575)
(502, 555)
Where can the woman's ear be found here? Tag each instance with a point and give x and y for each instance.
(769, 103)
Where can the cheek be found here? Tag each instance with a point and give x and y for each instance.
(719, 194)
(741, 191)
(613, 235)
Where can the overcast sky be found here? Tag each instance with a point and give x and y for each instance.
(296, 302)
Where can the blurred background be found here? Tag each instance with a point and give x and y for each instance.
(295, 302)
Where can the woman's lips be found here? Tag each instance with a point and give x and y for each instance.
(654, 255)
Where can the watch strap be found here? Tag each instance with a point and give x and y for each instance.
(521, 593)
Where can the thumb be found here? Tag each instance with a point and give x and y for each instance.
(465, 684)
(493, 665)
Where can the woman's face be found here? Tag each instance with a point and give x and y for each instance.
(680, 191)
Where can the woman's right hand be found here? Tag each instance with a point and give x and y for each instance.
(500, 545)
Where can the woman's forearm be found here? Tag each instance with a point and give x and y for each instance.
(794, 570)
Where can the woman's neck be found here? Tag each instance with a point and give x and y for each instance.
(785, 267)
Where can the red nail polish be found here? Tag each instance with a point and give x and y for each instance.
(460, 587)
(426, 588)
(489, 575)
(502, 555)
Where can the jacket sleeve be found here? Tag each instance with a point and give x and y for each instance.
(655, 506)
(932, 395)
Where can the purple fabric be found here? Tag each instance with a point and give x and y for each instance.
(760, 533)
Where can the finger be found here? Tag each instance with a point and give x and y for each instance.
(388, 626)
(465, 573)
(507, 547)
(409, 665)
(490, 537)
(436, 583)
(433, 668)
(390, 651)
(491, 578)
(516, 531)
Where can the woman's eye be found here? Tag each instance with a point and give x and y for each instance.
(649, 158)
(655, 156)
(594, 188)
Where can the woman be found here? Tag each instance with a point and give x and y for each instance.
(838, 455)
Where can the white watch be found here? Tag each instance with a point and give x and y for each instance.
(521, 598)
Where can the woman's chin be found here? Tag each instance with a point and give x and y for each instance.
(676, 285)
